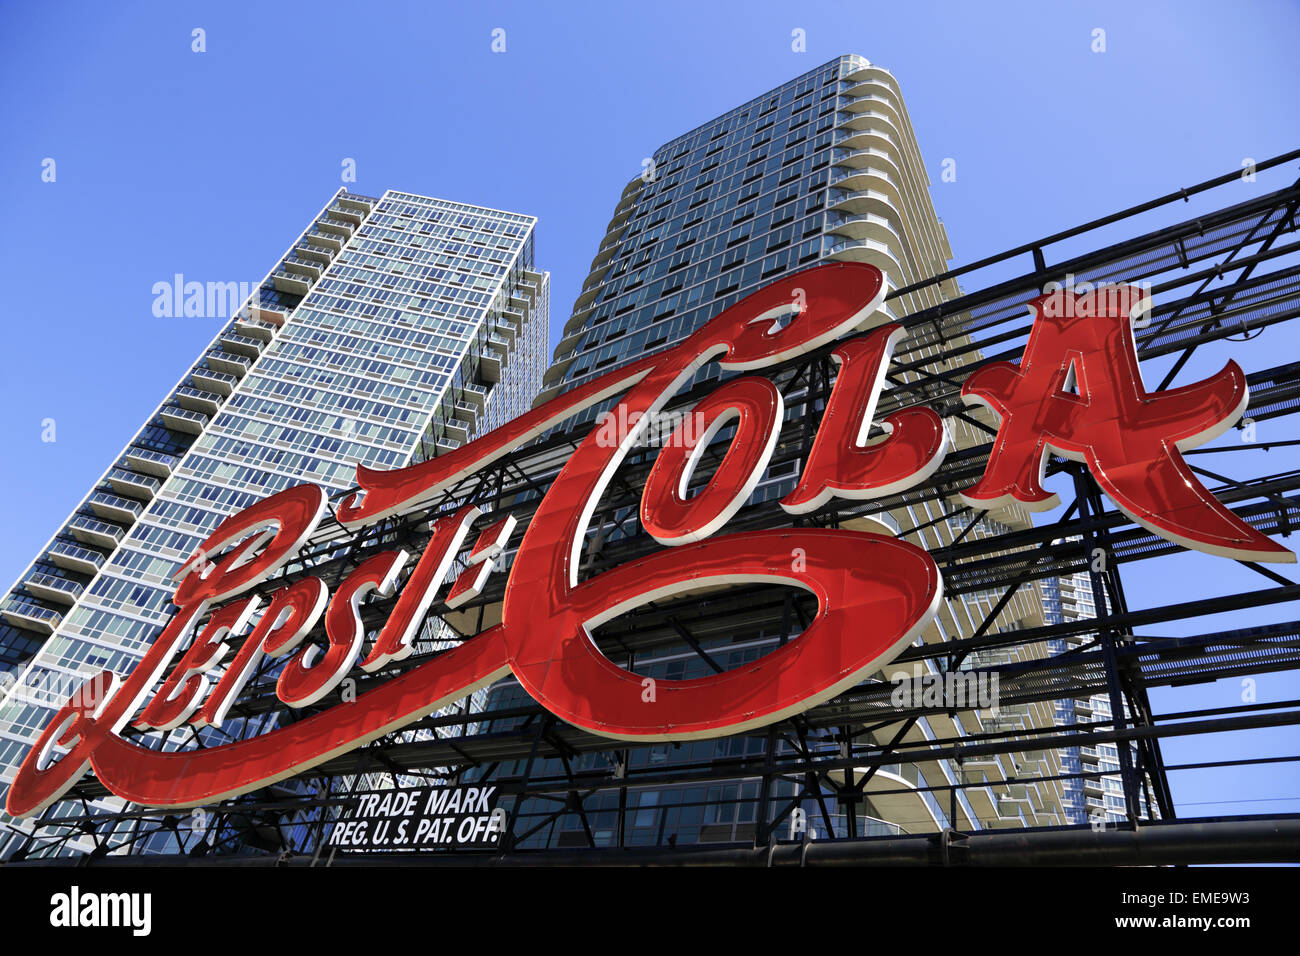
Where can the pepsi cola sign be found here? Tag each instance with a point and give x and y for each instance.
(1077, 392)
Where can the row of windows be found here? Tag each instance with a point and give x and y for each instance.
(117, 592)
(360, 414)
(714, 295)
(823, 77)
(306, 467)
(762, 138)
(142, 564)
(407, 309)
(390, 250)
(443, 210)
(283, 436)
(364, 369)
(350, 348)
(343, 387)
(737, 184)
(264, 482)
(464, 302)
(153, 538)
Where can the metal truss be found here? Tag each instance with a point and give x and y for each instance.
(1224, 276)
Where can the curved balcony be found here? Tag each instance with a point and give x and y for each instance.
(864, 132)
(877, 231)
(872, 78)
(864, 225)
(871, 119)
(867, 250)
(555, 374)
(865, 177)
(587, 297)
(546, 394)
(896, 798)
(861, 158)
(577, 320)
(605, 254)
(855, 202)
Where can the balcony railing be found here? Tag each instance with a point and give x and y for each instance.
(129, 483)
(221, 382)
(184, 420)
(490, 363)
(51, 587)
(304, 268)
(306, 249)
(288, 281)
(242, 344)
(330, 222)
(151, 462)
(457, 430)
(330, 239)
(115, 508)
(68, 555)
(85, 528)
(475, 395)
(256, 328)
(198, 399)
(842, 175)
(235, 365)
(31, 616)
(354, 216)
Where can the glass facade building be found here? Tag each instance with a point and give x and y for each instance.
(392, 328)
(825, 167)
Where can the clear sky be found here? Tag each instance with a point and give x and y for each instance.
(208, 164)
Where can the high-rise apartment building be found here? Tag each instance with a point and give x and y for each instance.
(392, 328)
(824, 168)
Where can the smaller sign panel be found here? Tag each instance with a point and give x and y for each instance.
(422, 818)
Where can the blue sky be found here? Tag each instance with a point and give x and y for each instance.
(209, 164)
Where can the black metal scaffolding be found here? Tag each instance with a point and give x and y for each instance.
(1227, 276)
